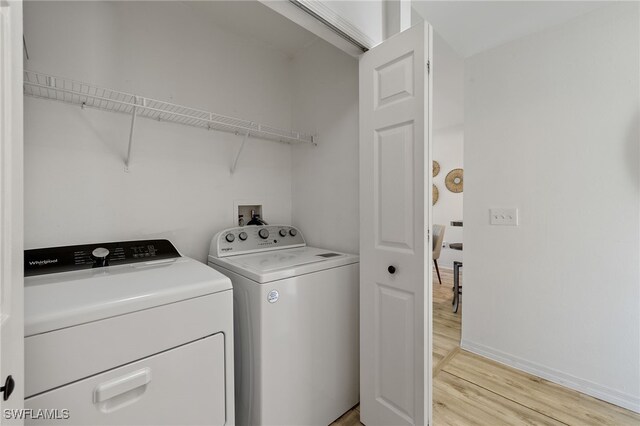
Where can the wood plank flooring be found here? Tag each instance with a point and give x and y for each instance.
(472, 390)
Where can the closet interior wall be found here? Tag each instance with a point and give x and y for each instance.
(325, 179)
(180, 186)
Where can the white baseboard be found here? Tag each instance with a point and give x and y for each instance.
(621, 399)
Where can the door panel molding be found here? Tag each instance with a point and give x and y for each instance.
(393, 174)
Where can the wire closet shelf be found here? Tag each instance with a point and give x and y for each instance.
(46, 86)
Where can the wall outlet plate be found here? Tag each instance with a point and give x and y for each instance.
(504, 216)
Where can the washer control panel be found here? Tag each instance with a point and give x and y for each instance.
(249, 239)
(70, 258)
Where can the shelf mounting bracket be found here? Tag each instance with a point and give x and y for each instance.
(235, 162)
(134, 113)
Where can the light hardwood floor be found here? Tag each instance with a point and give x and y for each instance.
(472, 390)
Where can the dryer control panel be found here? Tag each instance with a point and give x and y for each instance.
(250, 239)
(70, 258)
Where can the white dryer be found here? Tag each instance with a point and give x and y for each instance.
(126, 333)
(296, 326)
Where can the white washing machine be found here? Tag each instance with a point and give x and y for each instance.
(127, 333)
(296, 326)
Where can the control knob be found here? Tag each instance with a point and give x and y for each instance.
(229, 238)
(100, 257)
(283, 233)
(293, 232)
(242, 236)
(263, 233)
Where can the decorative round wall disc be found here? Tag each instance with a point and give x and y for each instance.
(436, 195)
(454, 180)
(436, 168)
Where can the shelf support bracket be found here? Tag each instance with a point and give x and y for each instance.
(235, 162)
(127, 162)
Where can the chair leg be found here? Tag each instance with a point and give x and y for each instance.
(456, 286)
(435, 262)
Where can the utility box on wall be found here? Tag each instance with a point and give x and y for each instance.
(244, 212)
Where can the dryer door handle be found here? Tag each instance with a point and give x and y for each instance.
(123, 384)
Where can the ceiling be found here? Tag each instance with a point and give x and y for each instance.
(256, 21)
(470, 27)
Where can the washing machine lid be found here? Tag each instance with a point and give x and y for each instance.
(65, 299)
(273, 265)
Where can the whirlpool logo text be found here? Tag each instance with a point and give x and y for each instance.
(42, 262)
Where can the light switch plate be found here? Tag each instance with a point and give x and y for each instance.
(508, 217)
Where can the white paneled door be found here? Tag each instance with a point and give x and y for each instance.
(395, 252)
(11, 229)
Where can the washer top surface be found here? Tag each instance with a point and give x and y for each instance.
(280, 264)
(76, 296)
(287, 257)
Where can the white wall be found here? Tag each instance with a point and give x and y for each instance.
(448, 150)
(448, 141)
(180, 186)
(551, 127)
(448, 85)
(325, 178)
